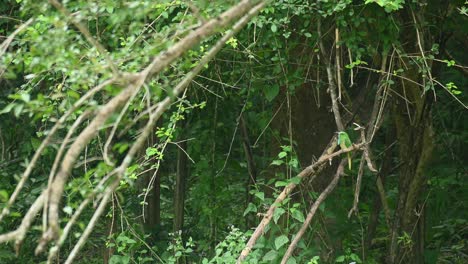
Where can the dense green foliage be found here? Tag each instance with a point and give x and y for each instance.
(267, 92)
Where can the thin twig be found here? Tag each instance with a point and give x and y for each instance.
(331, 81)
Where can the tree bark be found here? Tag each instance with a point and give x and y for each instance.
(415, 139)
(252, 178)
(179, 192)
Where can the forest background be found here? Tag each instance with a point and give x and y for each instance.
(289, 131)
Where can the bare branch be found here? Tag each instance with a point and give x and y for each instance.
(92, 222)
(58, 157)
(46, 141)
(331, 82)
(307, 172)
(313, 210)
(19, 234)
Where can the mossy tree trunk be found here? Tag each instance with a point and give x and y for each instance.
(413, 121)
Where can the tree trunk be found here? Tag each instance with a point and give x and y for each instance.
(152, 217)
(415, 142)
(413, 121)
(179, 192)
(252, 177)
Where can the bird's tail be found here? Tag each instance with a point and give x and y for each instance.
(349, 161)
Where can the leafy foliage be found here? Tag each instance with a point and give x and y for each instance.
(273, 74)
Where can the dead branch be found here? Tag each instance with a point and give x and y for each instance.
(338, 62)
(19, 234)
(58, 157)
(313, 210)
(45, 142)
(307, 172)
(331, 82)
(248, 156)
(374, 124)
(54, 250)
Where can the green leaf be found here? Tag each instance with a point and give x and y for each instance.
(3, 196)
(73, 94)
(282, 154)
(277, 214)
(295, 180)
(250, 208)
(18, 109)
(277, 162)
(68, 210)
(7, 108)
(271, 92)
(293, 163)
(270, 255)
(298, 215)
(281, 241)
(260, 195)
(280, 183)
(274, 28)
(151, 151)
(25, 97)
(340, 259)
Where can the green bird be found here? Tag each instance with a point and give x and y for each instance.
(345, 142)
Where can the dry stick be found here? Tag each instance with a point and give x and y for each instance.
(364, 158)
(310, 170)
(331, 81)
(87, 35)
(313, 210)
(46, 141)
(373, 124)
(58, 157)
(383, 199)
(92, 222)
(153, 118)
(428, 69)
(57, 186)
(351, 70)
(6, 43)
(248, 154)
(158, 64)
(97, 190)
(105, 154)
(338, 62)
(19, 234)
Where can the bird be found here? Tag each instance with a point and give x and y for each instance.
(345, 142)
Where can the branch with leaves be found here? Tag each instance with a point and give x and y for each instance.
(245, 9)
